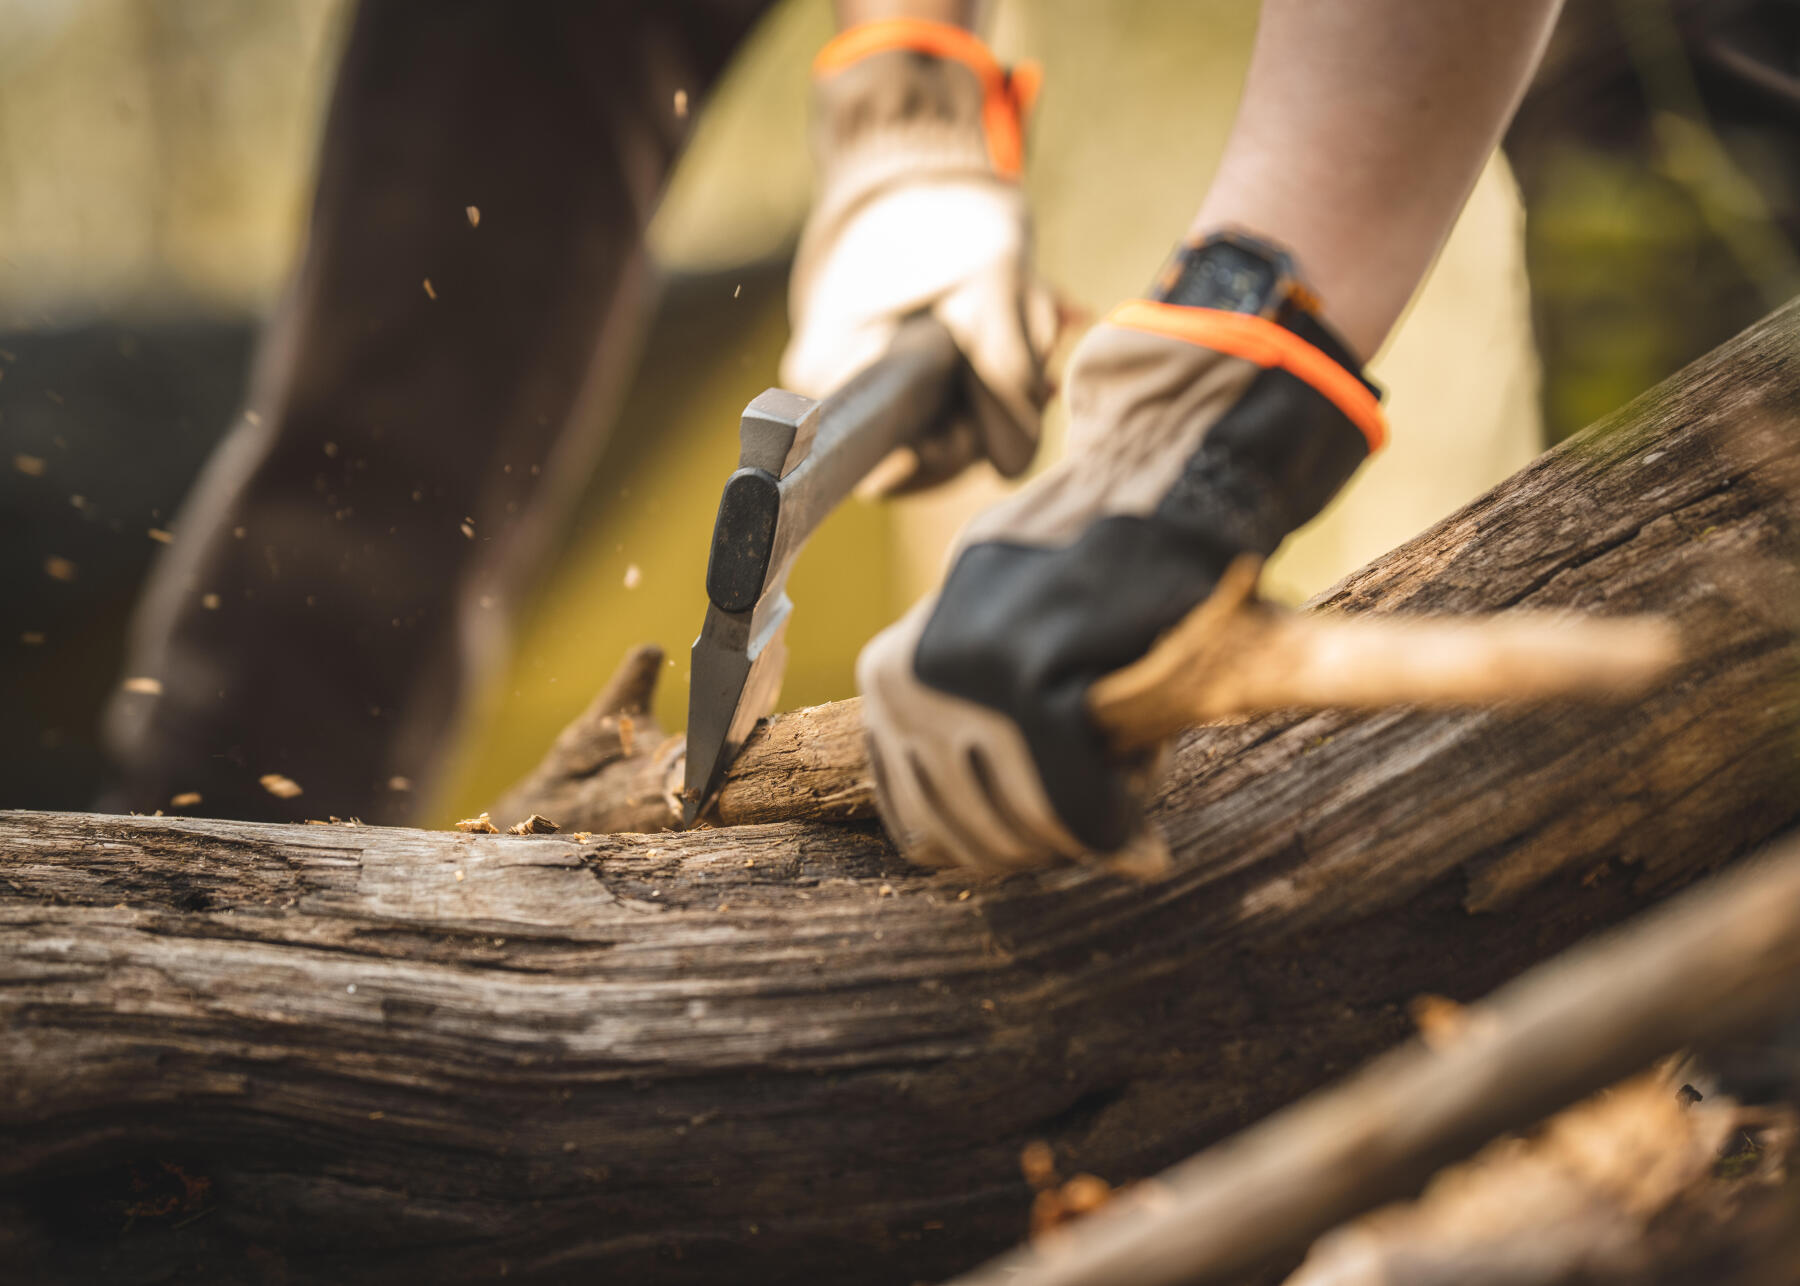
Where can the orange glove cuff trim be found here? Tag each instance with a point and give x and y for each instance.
(1007, 96)
(1259, 340)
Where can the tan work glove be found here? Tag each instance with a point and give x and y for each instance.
(1196, 435)
(917, 136)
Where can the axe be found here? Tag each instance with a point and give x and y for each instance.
(1231, 654)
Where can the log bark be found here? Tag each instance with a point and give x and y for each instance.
(775, 1052)
(1720, 963)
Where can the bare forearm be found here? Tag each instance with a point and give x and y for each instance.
(852, 12)
(1363, 126)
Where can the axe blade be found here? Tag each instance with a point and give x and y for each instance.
(737, 665)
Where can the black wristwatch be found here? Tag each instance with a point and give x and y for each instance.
(1239, 273)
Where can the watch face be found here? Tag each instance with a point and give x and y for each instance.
(1226, 276)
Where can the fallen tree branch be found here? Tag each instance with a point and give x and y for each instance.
(1723, 961)
(762, 1053)
(1233, 656)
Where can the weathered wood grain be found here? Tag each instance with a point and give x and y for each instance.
(775, 1053)
(1719, 963)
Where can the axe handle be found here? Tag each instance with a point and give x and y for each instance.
(891, 403)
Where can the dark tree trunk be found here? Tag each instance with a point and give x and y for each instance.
(778, 1053)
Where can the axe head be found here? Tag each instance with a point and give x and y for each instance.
(737, 668)
(741, 652)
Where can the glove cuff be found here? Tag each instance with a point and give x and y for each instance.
(929, 89)
(1270, 345)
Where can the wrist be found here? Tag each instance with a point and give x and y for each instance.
(1243, 296)
(1361, 293)
(917, 93)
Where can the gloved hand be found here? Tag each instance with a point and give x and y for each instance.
(918, 139)
(1196, 435)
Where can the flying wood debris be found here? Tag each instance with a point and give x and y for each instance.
(59, 568)
(187, 799)
(474, 215)
(1037, 1162)
(30, 465)
(162, 537)
(429, 292)
(148, 686)
(279, 786)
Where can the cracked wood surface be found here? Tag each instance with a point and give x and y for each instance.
(776, 1052)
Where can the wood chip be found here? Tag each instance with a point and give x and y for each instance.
(187, 799)
(478, 825)
(210, 602)
(59, 568)
(429, 292)
(1037, 1162)
(279, 786)
(32, 638)
(1055, 1207)
(400, 783)
(30, 465)
(681, 104)
(468, 528)
(143, 683)
(474, 215)
(162, 537)
(633, 576)
(534, 825)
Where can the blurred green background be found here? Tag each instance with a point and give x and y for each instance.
(154, 170)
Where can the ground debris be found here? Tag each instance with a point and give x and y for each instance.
(481, 825)
(1056, 1206)
(533, 825)
(1581, 1198)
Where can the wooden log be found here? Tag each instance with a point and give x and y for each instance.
(773, 1053)
(1723, 962)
